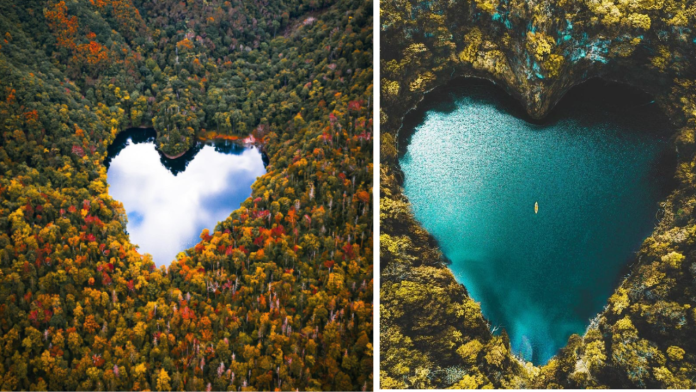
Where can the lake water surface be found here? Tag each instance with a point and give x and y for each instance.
(474, 167)
(170, 201)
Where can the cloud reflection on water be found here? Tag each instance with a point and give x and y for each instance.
(167, 213)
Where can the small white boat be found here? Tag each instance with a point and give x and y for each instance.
(536, 207)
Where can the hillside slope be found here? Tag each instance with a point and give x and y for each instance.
(279, 295)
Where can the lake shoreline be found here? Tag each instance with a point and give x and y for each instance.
(500, 166)
(174, 156)
(163, 195)
(249, 141)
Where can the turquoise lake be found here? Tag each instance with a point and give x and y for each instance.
(170, 201)
(474, 166)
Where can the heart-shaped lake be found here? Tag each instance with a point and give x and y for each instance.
(476, 170)
(170, 201)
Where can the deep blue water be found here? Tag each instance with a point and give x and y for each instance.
(170, 201)
(474, 167)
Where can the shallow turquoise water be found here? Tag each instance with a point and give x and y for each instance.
(474, 167)
(170, 201)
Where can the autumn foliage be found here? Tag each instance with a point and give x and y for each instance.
(64, 27)
(433, 334)
(278, 296)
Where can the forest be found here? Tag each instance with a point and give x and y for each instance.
(279, 295)
(432, 333)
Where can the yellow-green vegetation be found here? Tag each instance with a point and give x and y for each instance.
(279, 294)
(433, 334)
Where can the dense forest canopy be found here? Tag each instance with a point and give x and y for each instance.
(279, 295)
(432, 332)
